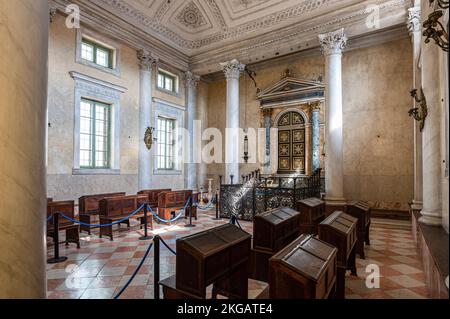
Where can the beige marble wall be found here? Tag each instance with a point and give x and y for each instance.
(23, 87)
(62, 183)
(378, 140)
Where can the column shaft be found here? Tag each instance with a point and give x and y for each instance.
(194, 151)
(23, 82)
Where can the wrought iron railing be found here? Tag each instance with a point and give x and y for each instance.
(259, 194)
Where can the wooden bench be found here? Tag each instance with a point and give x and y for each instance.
(152, 195)
(171, 202)
(89, 206)
(72, 230)
(114, 209)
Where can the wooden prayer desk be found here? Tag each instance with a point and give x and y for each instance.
(312, 213)
(152, 195)
(273, 230)
(217, 256)
(89, 206)
(171, 202)
(72, 230)
(361, 210)
(306, 269)
(117, 208)
(339, 230)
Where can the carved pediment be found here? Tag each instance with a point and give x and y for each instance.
(292, 90)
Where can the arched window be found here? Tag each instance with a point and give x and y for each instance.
(291, 144)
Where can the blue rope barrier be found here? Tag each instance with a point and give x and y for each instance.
(168, 247)
(172, 220)
(49, 218)
(207, 207)
(135, 272)
(105, 225)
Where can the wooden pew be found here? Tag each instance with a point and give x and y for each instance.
(89, 206)
(72, 230)
(361, 210)
(114, 209)
(152, 195)
(171, 202)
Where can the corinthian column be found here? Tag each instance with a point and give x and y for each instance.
(333, 44)
(232, 70)
(146, 62)
(315, 109)
(414, 27)
(191, 82)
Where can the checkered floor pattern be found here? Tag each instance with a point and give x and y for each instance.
(101, 267)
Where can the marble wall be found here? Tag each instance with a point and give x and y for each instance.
(63, 183)
(378, 147)
(23, 88)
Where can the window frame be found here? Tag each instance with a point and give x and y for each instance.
(93, 134)
(171, 145)
(168, 75)
(96, 46)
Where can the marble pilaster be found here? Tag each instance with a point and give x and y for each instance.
(191, 81)
(146, 62)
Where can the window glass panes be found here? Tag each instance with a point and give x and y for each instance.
(94, 134)
(167, 82)
(166, 144)
(96, 53)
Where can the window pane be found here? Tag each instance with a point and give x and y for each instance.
(87, 52)
(102, 57)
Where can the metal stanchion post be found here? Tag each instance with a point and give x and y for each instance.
(190, 225)
(156, 268)
(146, 236)
(217, 207)
(56, 259)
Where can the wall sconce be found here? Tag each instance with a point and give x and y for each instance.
(444, 4)
(246, 157)
(148, 138)
(419, 114)
(435, 30)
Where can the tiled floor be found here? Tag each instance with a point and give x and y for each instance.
(101, 268)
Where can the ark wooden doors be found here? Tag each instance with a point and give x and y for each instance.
(291, 144)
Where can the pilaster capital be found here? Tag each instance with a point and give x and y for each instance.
(333, 42)
(315, 106)
(414, 20)
(146, 60)
(191, 80)
(232, 69)
(52, 12)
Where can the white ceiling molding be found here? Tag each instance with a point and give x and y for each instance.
(198, 34)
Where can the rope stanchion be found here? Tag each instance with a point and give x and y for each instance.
(104, 225)
(135, 272)
(146, 236)
(217, 207)
(56, 259)
(164, 220)
(190, 225)
(156, 266)
(167, 246)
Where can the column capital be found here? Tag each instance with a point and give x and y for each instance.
(315, 106)
(333, 42)
(146, 60)
(52, 10)
(414, 20)
(191, 80)
(232, 69)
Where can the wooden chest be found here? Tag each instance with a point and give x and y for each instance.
(339, 230)
(312, 213)
(275, 229)
(152, 195)
(219, 255)
(361, 210)
(306, 269)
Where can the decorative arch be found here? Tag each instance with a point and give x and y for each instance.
(292, 109)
